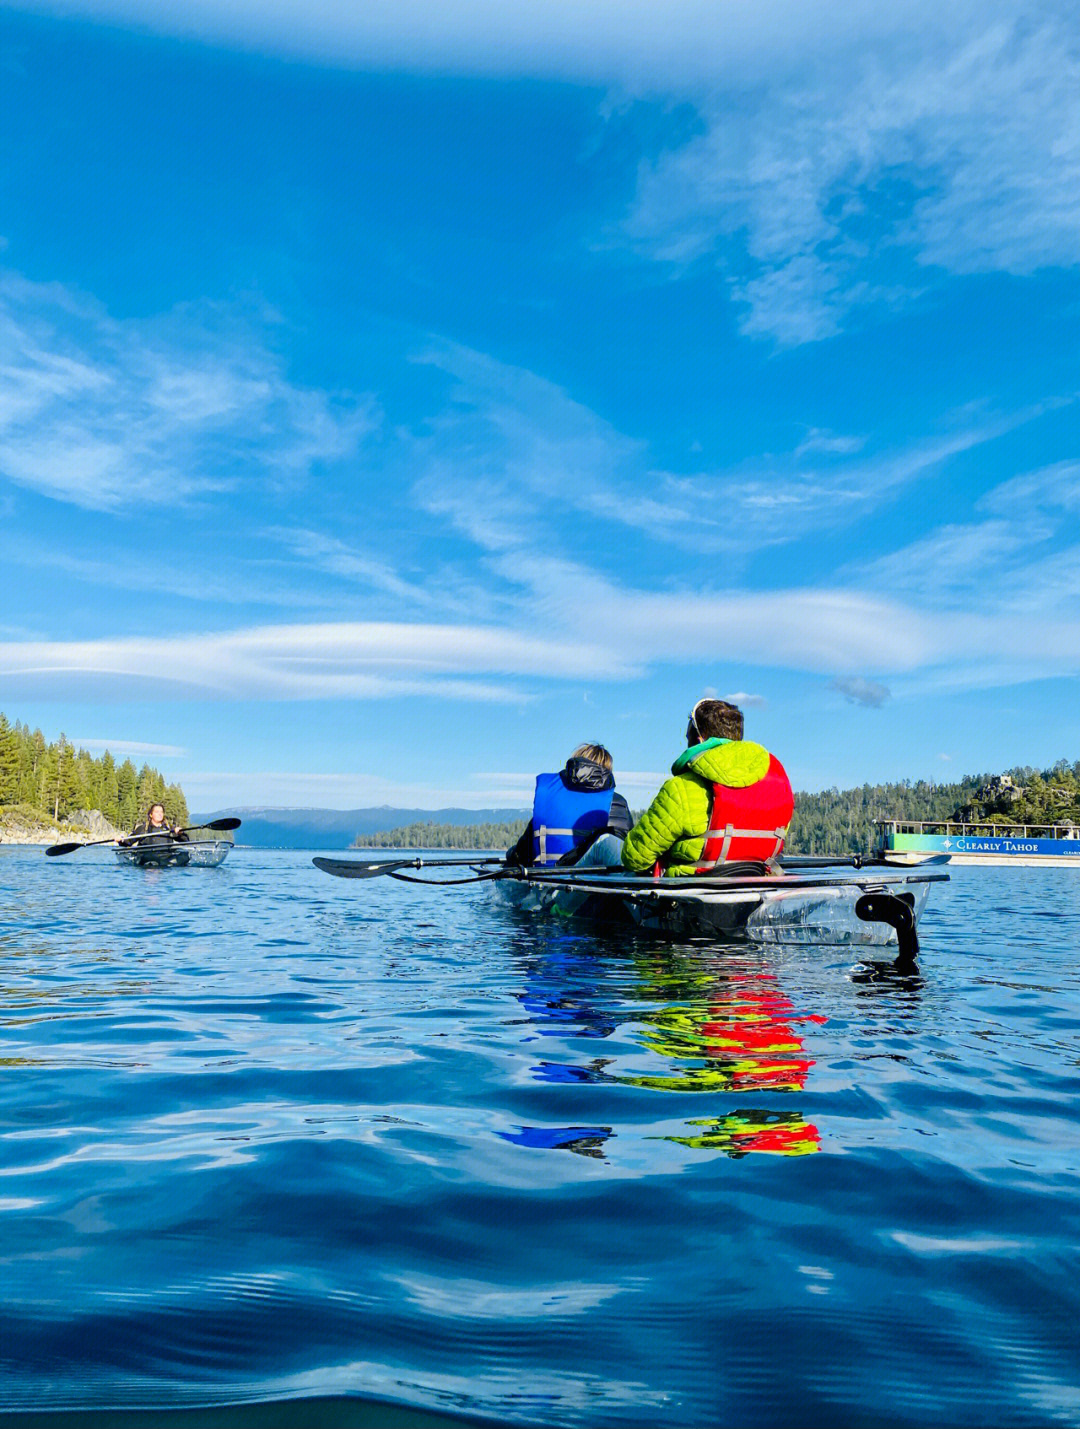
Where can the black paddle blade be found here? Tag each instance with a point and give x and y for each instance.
(55, 849)
(223, 824)
(353, 868)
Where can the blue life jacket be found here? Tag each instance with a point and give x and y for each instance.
(564, 818)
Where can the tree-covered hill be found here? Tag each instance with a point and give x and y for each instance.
(428, 834)
(54, 780)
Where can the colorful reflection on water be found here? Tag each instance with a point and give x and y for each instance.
(732, 1029)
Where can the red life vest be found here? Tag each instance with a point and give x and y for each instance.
(749, 823)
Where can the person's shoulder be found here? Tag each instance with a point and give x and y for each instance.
(674, 789)
(737, 764)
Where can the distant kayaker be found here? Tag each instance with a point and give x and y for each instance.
(571, 810)
(728, 800)
(156, 823)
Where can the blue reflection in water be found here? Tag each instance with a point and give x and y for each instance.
(269, 1137)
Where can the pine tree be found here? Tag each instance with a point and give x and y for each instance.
(34, 786)
(10, 763)
(176, 809)
(146, 793)
(67, 779)
(48, 781)
(109, 798)
(127, 781)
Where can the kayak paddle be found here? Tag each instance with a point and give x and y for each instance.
(353, 868)
(56, 849)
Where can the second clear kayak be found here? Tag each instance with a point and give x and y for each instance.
(175, 853)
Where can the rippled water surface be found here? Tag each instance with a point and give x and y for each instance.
(270, 1136)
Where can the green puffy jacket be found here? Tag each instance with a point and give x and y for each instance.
(673, 827)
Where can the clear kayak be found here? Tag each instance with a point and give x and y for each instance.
(859, 901)
(868, 907)
(175, 853)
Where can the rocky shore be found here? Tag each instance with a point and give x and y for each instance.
(22, 825)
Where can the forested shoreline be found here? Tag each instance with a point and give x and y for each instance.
(432, 835)
(56, 782)
(835, 821)
(49, 783)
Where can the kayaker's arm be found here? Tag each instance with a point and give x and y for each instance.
(664, 822)
(521, 855)
(620, 819)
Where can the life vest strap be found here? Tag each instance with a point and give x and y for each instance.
(731, 832)
(542, 836)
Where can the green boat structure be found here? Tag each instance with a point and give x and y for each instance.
(907, 841)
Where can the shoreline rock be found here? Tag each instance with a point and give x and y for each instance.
(19, 827)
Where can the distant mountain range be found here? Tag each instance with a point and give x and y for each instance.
(337, 828)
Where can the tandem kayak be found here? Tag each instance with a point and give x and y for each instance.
(861, 908)
(858, 901)
(175, 853)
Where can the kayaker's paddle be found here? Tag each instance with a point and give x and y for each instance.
(353, 868)
(55, 849)
(853, 860)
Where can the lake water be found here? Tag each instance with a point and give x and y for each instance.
(271, 1139)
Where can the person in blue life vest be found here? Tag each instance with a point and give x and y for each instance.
(728, 800)
(572, 809)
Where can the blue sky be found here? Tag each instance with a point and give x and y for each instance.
(391, 401)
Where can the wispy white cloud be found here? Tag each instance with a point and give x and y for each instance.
(513, 450)
(1050, 488)
(1021, 557)
(130, 746)
(106, 413)
(336, 557)
(303, 662)
(631, 631)
(953, 145)
(634, 43)
(113, 567)
(426, 586)
(510, 444)
(817, 440)
(846, 155)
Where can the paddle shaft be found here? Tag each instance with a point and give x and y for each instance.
(355, 868)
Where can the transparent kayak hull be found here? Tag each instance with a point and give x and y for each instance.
(784, 908)
(203, 853)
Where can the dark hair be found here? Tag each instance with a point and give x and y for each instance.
(715, 719)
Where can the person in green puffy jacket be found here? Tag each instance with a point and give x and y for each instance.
(672, 830)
